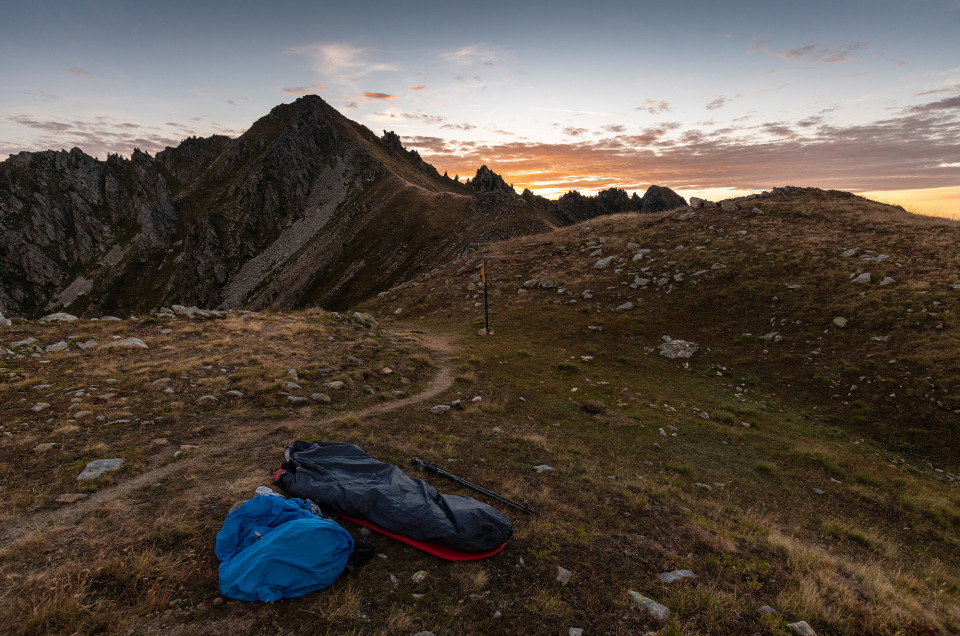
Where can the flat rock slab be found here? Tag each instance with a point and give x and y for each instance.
(126, 343)
(98, 467)
(656, 610)
(676, 575)
(801, 628)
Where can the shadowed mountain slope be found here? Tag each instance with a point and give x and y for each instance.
(847, 304)
(305, 207)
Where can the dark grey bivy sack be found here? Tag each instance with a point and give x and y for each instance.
(345, 479)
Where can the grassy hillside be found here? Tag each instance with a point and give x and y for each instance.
(815, 473)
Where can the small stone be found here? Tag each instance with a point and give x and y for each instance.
(79, 415)
(887, 281)
(862, 278)
(603, 262)
(704, 415)
(43, 448)
(419, 576)
(295, 399)
(853, 251)
(98, 467)
(334, 384)
(321, 397)
(440, 409)
(457, 405)
(542, 468)
(563, 575)
(575, 631)
(235, 393)
(292, 386)
(476, 398)
(676, 575)
(188, 447)
(625, 306)
(817, 491)
(386, 370)
(766, 609)
(217, 602)
(207, 399)
(59, 317)
(656, 610)
(840, 321)
(801, 628)
(39, 406)
(126, 343)
(160, 441)
(57, 346)
(87, 344)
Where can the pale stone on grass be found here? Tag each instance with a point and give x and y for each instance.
(98, 467)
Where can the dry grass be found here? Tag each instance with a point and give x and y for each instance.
(735, 504)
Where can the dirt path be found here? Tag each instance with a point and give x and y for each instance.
(439, 345)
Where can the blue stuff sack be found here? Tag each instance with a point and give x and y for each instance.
(271, 548)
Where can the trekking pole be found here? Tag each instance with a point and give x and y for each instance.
(464, 482)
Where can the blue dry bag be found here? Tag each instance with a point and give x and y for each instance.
(272, 548)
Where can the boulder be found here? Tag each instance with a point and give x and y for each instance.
(655, 610)
(729, 206)
(676, 575)
(677, 349)
(366, 320)
(603, 262)
(98, 467)
(59, 317)
(126, 343)
(862, 278)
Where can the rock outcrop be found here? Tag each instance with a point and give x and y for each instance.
(306, 207)
(660, 199)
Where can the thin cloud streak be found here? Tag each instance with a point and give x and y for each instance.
(915, 149)
(812, 52)
(565, 110)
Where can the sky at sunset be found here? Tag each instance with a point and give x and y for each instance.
(708, 98)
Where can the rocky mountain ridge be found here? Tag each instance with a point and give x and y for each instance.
(306, 207)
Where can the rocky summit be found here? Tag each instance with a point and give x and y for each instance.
(306, 207)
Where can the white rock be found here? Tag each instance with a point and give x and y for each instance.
(656, 610)
(801, 628)
(840, 321)
(625, 306)
(676, 575)
(862, 278)
(542, 468)
(207, 399)
(603, 262)
(677, 349)
(563, 575)
(57, 346)
(96, 468)
(887, 281)
(440, 409)
(87, 344)
(126, 343)
(59, 317)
